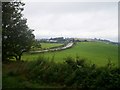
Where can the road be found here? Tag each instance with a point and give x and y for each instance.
(54, 49)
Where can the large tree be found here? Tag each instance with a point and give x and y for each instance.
(16, 36)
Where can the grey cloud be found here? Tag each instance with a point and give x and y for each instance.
(68, 7)
(91, 19)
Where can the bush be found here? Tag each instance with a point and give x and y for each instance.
(74, 72)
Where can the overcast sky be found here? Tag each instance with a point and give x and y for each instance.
(73, 19)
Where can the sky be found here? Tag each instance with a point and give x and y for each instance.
(73, 19)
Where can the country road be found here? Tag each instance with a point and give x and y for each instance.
(54, 49)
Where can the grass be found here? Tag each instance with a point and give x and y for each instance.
(64, 69)
(70, 74)
(98, 53)
(50, 45)
(47, 46)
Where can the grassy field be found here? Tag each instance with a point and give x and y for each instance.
(39, 72)
(98, 53)
(50, 45)
(46, 46)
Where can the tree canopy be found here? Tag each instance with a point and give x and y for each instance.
(16, 35)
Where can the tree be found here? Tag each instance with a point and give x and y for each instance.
(16, 36)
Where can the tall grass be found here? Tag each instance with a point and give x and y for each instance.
(73, 73)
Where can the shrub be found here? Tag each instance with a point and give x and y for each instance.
(74, 72)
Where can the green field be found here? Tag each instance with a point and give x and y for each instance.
(46, 46)
(94, 52)
(50, 45)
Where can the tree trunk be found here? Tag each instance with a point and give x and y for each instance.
(18, 58)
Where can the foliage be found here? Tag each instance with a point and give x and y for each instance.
(73, 73)
(16, 36)
(36, 45)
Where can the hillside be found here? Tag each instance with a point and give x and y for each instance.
(94, 52)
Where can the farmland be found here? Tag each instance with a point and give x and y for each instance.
(49, 45)
(43, 46)
(73, 67)
(98, 53)
(63, 45)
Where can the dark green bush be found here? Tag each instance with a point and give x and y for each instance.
(74, 72)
